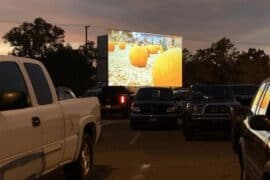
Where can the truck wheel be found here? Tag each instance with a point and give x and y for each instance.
(173, 124)
(187, 131)
(125, 113)
(133, 125)
(82, 169)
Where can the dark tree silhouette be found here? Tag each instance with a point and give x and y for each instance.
(89, 50)
(252, 66)
(187, 56)
(213, 64)
(35, 39)
(69, 68)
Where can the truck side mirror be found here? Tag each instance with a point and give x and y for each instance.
(260, 123)
(13, 100)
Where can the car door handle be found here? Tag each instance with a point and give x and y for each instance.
(35, 121)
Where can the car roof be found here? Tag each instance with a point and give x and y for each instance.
(16, 59)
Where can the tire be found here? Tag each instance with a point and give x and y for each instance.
(242, 164)
(83, 167)
(173, 124)
(133, 125)
(187, 131)
(125, 113)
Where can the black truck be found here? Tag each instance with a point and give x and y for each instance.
(208, 107)
(254, 141)
(153, 106)
(113, 99)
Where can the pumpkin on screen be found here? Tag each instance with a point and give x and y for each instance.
(161, 49)
(157, 47)
(111, 46)
(152, 49)
(138, 56)
(122, 45)
(167, 69)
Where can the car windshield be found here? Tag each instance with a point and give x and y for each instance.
(155, 94)
(244, 90)
(111, 91)
(214, 91)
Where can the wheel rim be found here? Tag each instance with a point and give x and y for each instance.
(86, 159)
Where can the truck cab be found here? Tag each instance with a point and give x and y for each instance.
(39, 133)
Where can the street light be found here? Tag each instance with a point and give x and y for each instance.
(86, 40)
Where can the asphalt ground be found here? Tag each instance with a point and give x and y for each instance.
(159, 154)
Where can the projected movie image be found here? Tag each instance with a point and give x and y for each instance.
(143, 59)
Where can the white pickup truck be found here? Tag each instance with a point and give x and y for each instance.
(39, 132)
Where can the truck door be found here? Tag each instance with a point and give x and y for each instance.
(21, 154)
(256, 142)
(50, 114)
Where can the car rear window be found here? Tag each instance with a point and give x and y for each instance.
(155, 94)
(111, 91)
(244, 90)
(214, 91)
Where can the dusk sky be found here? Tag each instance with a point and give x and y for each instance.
(200, 22)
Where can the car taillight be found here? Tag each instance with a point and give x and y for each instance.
(123, 99)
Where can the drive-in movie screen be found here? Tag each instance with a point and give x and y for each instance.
(142, 59)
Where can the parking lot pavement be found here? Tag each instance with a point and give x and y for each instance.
(159, 155)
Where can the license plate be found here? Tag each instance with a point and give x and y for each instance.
(108, 106)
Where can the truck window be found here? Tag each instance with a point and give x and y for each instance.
(39, 83)
(264, 105)
(11, 78)
(257, 98)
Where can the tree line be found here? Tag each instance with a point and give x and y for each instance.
(45, 42)
(220, 63)
(223, 63)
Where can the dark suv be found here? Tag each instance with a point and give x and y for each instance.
(115, 99)
(244, 93)
(153, 106)
(208, 107)
(254, 139)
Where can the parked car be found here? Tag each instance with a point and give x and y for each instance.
(95, 92)
(153, 106)
(254, 142)
(39, 132)
(115, 99)
(180, 95)
(244, 93)
(208, 107)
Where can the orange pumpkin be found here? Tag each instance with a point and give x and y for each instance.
(167, 69)
(157, 47)
(161, 49)
(122, 45)
(138, 56)
(111, 46)
(152, 49)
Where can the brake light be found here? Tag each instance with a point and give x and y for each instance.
(123, 99)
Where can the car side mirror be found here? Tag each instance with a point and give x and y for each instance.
(13, 100)
(260, 123)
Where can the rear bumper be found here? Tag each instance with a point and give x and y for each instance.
(212, 122)
(153, 118)
(112, 107)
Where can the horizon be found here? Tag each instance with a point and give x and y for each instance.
(77, 39)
